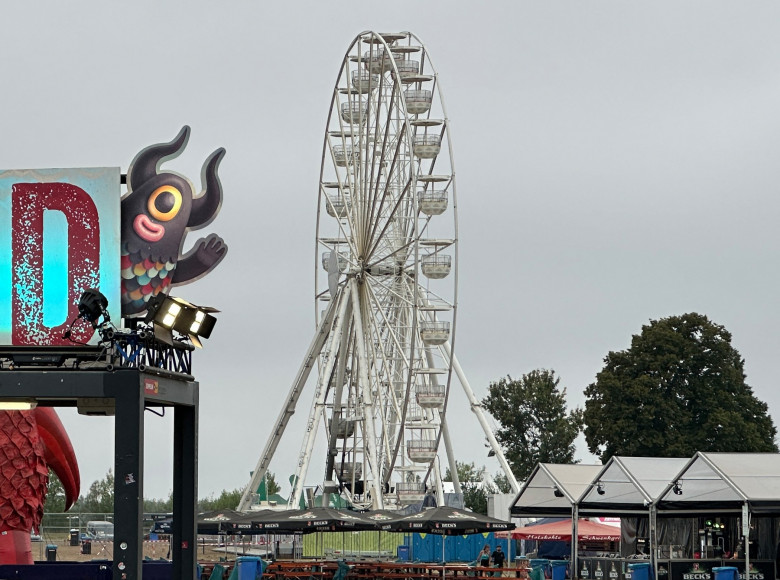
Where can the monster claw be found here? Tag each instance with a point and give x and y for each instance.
(59, 452)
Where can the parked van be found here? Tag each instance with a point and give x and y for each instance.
(100, 530)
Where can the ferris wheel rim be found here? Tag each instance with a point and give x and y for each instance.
(412, 245)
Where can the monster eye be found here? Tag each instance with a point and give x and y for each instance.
(164, 203)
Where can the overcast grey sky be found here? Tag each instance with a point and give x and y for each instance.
(616, 162)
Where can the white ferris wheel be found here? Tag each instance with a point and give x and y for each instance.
(385, 287)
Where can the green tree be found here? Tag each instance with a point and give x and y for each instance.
(55, 496)
(679, 388)
(100, 497)
(225, 500)
(273, 485)
(502, 483)
(534, 424)
(472, 484)
(159, 506)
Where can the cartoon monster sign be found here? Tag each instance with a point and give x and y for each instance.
(157, 212)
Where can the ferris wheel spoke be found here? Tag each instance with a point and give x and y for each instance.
(388, 328)
(393, 253)
(390, 223)
(384, 290)
(381, 171)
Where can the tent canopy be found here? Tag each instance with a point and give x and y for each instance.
(628, 485)
(561, 531)
(725, 481)
(553, 489)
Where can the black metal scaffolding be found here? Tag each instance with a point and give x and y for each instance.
(129, 391)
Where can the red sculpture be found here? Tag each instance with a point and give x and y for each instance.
(30, 443)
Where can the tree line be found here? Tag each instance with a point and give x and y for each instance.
(100, 497)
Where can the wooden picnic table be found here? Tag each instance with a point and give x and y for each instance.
(367, 570)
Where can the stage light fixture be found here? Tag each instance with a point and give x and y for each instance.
(557, 492)
(677, 488)
(168, 314)
(600, 488)
(92, 305)
(18, 405)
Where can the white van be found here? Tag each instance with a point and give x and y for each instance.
(100, 530)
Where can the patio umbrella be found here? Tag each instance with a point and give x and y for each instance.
(447, 521)
(586, 530)
(316, 519)
(215, 521)
(244, 523)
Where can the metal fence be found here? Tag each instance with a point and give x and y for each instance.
(58, 526)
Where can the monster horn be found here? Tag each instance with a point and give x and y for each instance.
(205, 207)
(147, 163)
(59, 452)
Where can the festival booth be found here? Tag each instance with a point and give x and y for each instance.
(553, 490)
(727, 497)
(680, 519)
(627, 487)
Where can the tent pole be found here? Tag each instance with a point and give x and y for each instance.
(653, 539)
(746, 537)
(575, 516)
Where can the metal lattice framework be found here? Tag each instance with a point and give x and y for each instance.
(386, 277)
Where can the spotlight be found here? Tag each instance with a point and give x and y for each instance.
(557, 492)
(92, 306)
(18, 405)
(491, 453)
(677, 488)
(600, 488)
(168, 313)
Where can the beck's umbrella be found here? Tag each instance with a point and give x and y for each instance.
(447, 521)
(216, 521)
(244, 523)
(381, 518)
(305, 521)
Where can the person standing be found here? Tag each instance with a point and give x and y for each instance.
(483, 559)
(498, 559)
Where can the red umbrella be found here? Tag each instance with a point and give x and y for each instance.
(586, 530)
